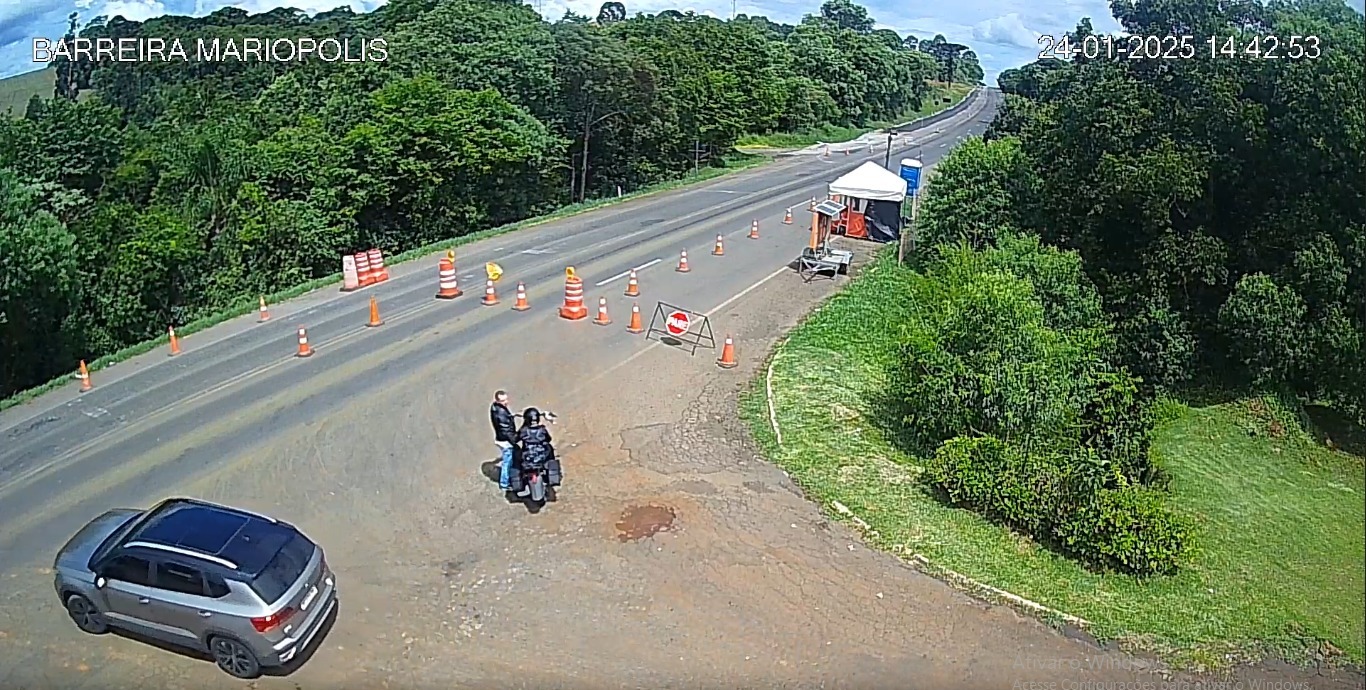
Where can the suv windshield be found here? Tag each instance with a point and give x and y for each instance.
(284, 569)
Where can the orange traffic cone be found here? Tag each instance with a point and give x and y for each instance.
(683, 262)
(632, 287)
(719, 250)
(754, 230)
(175, 342)
(490, 296)
(521, 304)
(448, 285)
(304, 349)
(374, 314)
(263, 313)
(573, 308)
(602, 319)
(846, 152)
(787, 217)
(727, 360)
(634, 326)
(84, 376)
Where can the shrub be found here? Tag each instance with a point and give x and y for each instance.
(1032, 492)
(1117, 422)
(981, 360)
(1129, 528)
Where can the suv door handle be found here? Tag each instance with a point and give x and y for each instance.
(144, 600)
(204, 614)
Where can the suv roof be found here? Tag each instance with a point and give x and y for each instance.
(238, 539)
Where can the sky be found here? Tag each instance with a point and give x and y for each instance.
(1004, 33)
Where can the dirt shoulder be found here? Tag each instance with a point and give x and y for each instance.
(747, 579)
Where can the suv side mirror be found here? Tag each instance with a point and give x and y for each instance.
(99, 582)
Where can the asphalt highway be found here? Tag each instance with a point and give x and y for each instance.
(156, 425)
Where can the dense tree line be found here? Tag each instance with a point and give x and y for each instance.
(1219, 203)
(1135, 228)
(149, 194)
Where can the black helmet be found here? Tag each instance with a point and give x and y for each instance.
(531, 416)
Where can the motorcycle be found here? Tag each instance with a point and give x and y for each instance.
(534, 476)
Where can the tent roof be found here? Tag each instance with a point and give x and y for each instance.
(870, 181)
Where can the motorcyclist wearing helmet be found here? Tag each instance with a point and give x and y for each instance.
(537, 451)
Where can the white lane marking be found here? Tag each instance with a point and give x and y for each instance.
(537, 252)
(625, 273)
(707, 314)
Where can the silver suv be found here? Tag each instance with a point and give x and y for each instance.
(250, 590)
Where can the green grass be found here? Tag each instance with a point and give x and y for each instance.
(832, 134)
(248, 304)
(1279, 563)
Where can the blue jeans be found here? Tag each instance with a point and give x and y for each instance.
(505, 467)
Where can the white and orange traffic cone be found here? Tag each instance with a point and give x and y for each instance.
(811, 205)
(84, 376)
(754, 230)
(787, 217)
(720, 249)
(175, 342)
(727, 360)
(374, 314)
(634, 326)
(304, 349)
(521, 304)
(490, 295)
(262, 314)
(602, 319)
(448, 286)
(632, 286)
(683, 262)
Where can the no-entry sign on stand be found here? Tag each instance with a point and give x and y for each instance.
(678, 326)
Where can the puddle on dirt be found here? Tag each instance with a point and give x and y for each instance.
(639, 522)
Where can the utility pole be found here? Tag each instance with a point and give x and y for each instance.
(901, 245)
(887, 163)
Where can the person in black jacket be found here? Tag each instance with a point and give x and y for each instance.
(537, 451)
(504, 435)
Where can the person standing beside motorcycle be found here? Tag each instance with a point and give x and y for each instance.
(504, 435)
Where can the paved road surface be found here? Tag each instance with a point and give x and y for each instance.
(378, 447)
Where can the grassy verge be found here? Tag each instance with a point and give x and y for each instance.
(249, 304)
(1280, 550)
(831, 134)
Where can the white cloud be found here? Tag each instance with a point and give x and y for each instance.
(1002, 32)
(1005, 30)
(132, 10)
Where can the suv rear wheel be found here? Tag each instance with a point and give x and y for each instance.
(234, 658)
(85, 615)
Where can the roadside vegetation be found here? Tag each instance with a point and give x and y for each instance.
(941, 97)
(139, 196)
(1125, 374)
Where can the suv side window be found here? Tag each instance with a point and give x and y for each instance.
(217, 587)
(174, 577)
(128, 568)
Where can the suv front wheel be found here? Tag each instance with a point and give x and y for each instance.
(234, 658)
(85, 615)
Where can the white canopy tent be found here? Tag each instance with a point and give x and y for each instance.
(872, 182)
